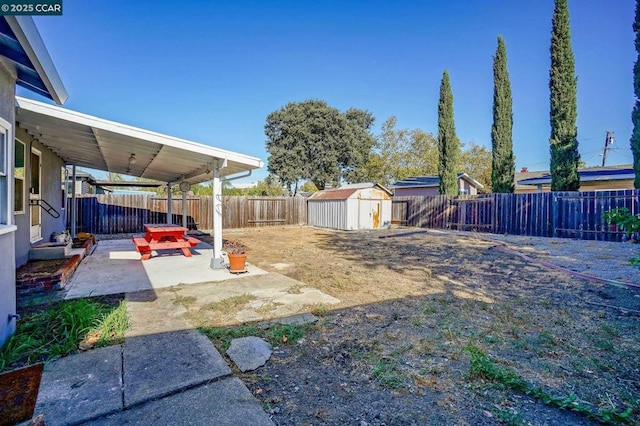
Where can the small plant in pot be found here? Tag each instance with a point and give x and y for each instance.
(237, 253)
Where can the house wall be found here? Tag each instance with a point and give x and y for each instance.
(51, 192)
(466, 188)
(7, 239)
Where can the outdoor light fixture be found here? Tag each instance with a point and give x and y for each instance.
(132, 160)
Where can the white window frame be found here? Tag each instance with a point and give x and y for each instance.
(6, 178)
(34, 238)
(23, 178)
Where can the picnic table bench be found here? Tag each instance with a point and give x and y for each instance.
(164, 237)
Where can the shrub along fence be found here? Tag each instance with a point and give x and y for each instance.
(111, 214)
(556, 214)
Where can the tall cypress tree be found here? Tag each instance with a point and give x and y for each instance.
(564, 110)
(503, 163)
(635, 115)
(448, 144)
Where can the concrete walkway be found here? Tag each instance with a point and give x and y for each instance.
(165, 373)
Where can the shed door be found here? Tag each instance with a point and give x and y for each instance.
(369, 214)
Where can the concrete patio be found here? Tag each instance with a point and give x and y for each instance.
(115, 267)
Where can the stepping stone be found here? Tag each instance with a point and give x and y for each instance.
(249, 353)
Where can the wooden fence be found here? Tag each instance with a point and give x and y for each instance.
(111, 214)
(557, 214)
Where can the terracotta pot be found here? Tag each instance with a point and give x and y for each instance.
(237, 262)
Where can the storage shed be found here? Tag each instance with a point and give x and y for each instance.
(350, 207)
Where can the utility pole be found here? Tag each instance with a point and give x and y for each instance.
(608, 140)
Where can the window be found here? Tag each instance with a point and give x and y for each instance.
(18, 178)
(6, 203)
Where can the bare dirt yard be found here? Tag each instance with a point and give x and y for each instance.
(452, 328)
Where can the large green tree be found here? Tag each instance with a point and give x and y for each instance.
(269, 187)
(448, 143)
(312, 141)
(635, 115)
(565, 157)
(502, 160)
(400, 153)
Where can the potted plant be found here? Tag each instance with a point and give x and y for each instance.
(237, 253)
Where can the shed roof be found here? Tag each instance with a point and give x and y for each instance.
(346, 191)
(87, 141)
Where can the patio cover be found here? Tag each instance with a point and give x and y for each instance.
(87, 141)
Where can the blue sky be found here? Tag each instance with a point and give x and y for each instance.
(211, 71)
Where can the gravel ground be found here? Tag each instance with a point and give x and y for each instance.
(602, 259)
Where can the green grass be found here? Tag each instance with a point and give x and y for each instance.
(388, 375)
(482, 367)
(276, 335)
(57, 331)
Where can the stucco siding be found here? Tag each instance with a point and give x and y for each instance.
(7, 287)
(7, 240)
(51, 192)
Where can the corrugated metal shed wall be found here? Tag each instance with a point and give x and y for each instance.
(355, 212)
(327, 213)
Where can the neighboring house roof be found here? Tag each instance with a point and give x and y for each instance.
(594, 174)
(346, 191)
(20, 42)
(518, 176)
(80, 174)
(431, 181)
(96, 143)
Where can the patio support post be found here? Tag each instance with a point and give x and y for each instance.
(74, 207)
(184, 209)
(217, 262)
(169, 205)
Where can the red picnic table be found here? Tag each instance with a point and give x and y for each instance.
(163, 237)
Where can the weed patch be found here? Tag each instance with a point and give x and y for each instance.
(276, 335)
(184, 300)
(230, 303)
(58, 331)
(484, 368)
